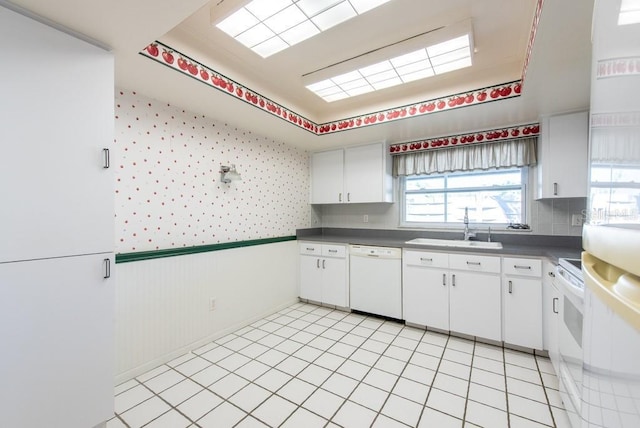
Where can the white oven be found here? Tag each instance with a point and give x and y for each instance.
(571, 311)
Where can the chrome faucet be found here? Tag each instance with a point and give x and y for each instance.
(467, 234)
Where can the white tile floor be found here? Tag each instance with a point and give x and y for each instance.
(309, 366)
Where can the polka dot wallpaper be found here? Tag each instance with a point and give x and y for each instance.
(168, 188)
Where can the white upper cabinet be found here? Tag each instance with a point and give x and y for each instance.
(327, 177)
(352, 175)
(57, 117)
(563, 156)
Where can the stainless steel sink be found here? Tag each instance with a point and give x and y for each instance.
(455, 243)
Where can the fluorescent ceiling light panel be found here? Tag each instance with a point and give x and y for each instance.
(314, 7)
(255, 35)
(263, 9)
(285, 19)
(334, 16)
(271, 46)
(376, 68)
(440, 58)
(629, 12)
(292, 20)
(240, 21)
(299, 33)
(361, 6)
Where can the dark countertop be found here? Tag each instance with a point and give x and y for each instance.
(527, 245)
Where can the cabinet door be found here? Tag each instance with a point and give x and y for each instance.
(311, 278)
(523, 312)
(327, 177)
(334, 282)
(57, 329)
(365, 173)
(566, 138)
(426, 296)
(58, 113)
(474, 302)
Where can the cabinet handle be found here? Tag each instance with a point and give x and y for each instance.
(310, 249)
(510, 287)
(107, 268)
(106, 164)
(555, 300)
(323, 262)
(555, 189)
(339, 197)
(551, 274)
(425, 259)
(348, 197)
(444, 279)
(333, 251)
(474, 263)
(453, 280)
(318, 263)
(522, 267)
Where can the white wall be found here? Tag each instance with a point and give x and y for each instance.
(162, 305)
(168, 189)
(169, 195)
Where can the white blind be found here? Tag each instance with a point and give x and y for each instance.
(501, 154)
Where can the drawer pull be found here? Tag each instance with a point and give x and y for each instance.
(551, 274)
(310, 249)
(426, 259)
(522, 267)
(474, 263)
(510, 287)
(333, 251)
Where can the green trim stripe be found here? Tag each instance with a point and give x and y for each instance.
(172, 252)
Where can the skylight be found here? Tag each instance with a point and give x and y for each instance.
(269, 26)
(437, 59)
(629, 12)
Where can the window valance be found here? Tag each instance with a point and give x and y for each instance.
(500, 154)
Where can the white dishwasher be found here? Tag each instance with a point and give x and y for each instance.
(375, 280)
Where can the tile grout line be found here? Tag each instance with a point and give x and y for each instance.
(466, 400)
(323, 350)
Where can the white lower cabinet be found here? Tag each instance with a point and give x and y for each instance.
(474, 298)
(56, 324)
(324, 273)
(522, 302)
(455, 292)
(425, 297)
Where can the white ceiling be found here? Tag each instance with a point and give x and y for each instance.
(557, 79)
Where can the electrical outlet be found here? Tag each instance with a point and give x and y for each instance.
(212, 304)
(365, 218)
(576, 220)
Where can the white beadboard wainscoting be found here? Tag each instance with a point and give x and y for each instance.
(163, 305)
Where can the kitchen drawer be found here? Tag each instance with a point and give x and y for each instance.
(522, 267)
(426, 259)
(475, 263)
(310, 248)
(334, 251)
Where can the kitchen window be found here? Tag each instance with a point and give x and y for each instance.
(494, 196)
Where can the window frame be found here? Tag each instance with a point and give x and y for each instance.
(524, 171)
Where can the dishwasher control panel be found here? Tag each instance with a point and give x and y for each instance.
(386, 252)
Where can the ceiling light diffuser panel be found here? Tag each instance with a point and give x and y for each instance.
(436, 59)
(269, 26)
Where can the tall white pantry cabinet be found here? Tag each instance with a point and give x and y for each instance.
(56, 228)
